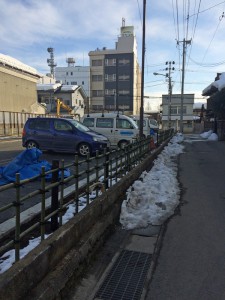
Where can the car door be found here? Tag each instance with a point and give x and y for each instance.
(124, 130)
(106, 126)
(40, 132)
(64, 136)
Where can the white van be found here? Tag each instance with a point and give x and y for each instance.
(119, 129)
(148, 124)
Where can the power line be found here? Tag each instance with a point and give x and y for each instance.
(208, 65)
(208, 8)
(220, 19)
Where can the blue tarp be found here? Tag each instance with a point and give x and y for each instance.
(27, 163)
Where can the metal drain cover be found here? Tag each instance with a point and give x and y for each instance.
(126, 279)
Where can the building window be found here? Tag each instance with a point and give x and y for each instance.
(97, 77)
(110, 92)
(66, 73)
(71, 73)
(124, 61)
(97, 93)
(110, 61)
(175, 110)
(97, 62)
(184, 110)
(124, 77)
(110, 77)
(83, 82)
(74, 82)
(124, 92)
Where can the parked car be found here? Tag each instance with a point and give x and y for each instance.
(62, 135)
(150, 125)
(119, 129)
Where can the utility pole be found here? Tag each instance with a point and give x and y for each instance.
(169, 90)
(185, 43)
(142, 73)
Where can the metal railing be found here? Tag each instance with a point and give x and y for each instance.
(97, 173)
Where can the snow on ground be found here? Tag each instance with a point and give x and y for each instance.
(154, 197)
(209, 135)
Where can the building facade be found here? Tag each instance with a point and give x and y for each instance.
(171, 112)
(73, 96)
(18, 87)
(74, 75)
(115, 76)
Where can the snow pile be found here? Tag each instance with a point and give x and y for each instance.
(153, 198)
(14, 63)
(209, 135)
(213, 137)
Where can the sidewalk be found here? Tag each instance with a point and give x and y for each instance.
(191, 262)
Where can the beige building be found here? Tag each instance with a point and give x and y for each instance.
(171, 112)
(18, 87)
(115, 75)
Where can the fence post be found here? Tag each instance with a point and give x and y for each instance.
(61, 192)
(17, 204)
(55, 197)
(97, 169)
(76, 176)
(42, 203)
(106, 168)
(88, 178)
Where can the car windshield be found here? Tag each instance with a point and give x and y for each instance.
(153, 122)
(79, 126)
(138, 122)
(133, 123)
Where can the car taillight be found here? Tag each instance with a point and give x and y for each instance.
(24, 132)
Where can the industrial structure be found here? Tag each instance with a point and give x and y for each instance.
(51, 62)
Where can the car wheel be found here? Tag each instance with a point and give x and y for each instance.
(123, 144)
(31, 145)
(84, 149)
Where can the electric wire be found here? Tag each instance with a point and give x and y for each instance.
(220, 19)
(208, 8)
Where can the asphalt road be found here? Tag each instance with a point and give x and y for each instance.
(191, 263)
(9, 149)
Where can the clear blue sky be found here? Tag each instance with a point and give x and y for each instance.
(73, 28)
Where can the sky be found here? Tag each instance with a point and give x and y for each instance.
(73, 28)
(152, 199)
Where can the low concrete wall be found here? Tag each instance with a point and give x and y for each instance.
(45, 271)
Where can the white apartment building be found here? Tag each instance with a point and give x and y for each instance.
(74, 75)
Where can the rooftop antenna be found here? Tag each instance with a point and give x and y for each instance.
(123, 22)
(51, 62)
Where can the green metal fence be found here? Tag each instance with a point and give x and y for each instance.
(99, 173)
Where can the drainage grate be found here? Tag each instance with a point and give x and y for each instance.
(126, 278)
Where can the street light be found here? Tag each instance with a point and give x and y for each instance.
(160, 74)
(170, 94)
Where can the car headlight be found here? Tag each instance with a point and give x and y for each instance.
(96, 139)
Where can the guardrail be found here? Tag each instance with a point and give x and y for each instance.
(101, 171)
